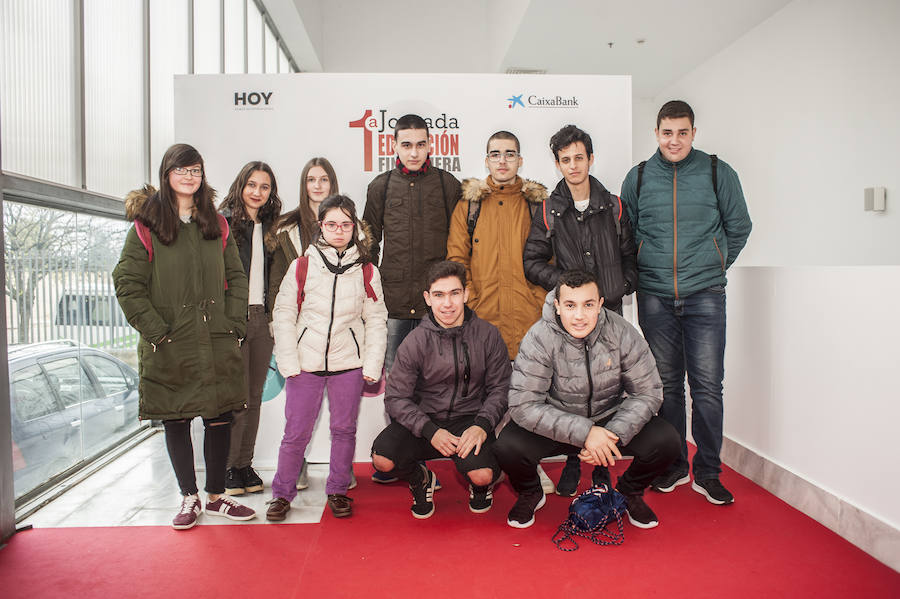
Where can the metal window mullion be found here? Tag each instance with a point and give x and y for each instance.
(190, 37)
(222, 36)
(80, 95)
(246, 39)
(148, 168)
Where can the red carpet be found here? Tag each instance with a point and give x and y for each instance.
(757, 547)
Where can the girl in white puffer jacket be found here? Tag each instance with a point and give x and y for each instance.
(331, 333)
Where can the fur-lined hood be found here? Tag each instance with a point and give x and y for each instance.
(135, 200)
(475, 190)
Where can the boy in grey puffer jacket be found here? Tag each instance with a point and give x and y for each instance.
(584, 382)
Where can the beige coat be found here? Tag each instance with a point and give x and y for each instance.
(338, 327)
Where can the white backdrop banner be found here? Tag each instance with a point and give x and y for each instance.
(285, 120)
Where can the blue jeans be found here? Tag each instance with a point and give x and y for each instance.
(688, 335)
(397, 330)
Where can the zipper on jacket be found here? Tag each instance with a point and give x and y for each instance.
(331, 319)
(675, 228)
(303, 332)
(356, 343)
(721, 257)
(455, 379)
(587, 363)
(467, 371)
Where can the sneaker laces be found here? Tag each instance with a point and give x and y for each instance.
(488, 492)
(187, 504)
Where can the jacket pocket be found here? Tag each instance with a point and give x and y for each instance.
(303, 332)
(356, 343)
(721, 257)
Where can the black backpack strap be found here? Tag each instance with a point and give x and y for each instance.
(640, 178)
(471, 220)
(714, 165)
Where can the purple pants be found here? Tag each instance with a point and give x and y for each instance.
(304, 400)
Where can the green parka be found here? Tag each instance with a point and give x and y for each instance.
(180, 303)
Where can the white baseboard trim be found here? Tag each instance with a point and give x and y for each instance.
(871, 534)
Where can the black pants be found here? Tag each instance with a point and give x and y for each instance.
(654, 448)
(216, 440)
(400, 446)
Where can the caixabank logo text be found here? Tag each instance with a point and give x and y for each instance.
(539, 101)
(378, 140)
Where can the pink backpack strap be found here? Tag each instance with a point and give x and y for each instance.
(225, 229)
(368, 272)
(302, 268)
(143, 234)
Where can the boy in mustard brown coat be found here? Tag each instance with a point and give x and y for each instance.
(488, 230)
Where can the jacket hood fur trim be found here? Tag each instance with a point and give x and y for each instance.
(135, 200)
(475, 190)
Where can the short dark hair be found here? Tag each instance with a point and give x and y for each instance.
(410, 121)
(502, 135)
(444, 269)
(675, 109)
(345, 205)
(567, 136)
(576, 278)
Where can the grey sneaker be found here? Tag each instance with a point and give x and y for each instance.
(546, 484)
(303, 479)
(187, 516)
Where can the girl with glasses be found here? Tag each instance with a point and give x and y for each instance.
(330, 326)
(252, 208)
(181, 285)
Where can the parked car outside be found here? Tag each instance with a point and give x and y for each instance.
(68, 403)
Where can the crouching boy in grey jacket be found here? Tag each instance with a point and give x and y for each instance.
(584, 382)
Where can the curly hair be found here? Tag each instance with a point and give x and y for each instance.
(268, 213)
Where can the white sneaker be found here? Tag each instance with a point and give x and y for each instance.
(303, 479)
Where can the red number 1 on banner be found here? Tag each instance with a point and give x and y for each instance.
(367, 138)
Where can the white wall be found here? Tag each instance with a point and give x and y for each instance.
(805, 108)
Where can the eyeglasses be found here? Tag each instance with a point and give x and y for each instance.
(332, 226)
(194, 172)
(510, 155)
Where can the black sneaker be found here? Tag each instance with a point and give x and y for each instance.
(480, 498)
(666, 483)
(252, 482)
(713, 490)
(639, 513)
(234, 481)
(522, 513)
(423, 495)
(570, 477)
(600, 476)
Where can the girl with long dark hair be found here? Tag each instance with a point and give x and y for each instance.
(181, 285)
(252, 208)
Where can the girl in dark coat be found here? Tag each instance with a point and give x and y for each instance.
(184, 290)
(252, 207)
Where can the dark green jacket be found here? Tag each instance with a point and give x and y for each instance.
(686, 238)
(179, 302)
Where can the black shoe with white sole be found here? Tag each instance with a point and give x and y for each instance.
(522, 513)
(639, 513)
(713, 490)
(423, 495)
(666, 483)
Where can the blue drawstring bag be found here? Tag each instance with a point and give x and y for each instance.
(590, 516)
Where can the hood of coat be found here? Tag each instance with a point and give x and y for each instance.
(136, 198)
(475, 190)
(430, 324)
(551, 318)
(350, 255)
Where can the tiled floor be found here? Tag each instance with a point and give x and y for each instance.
(139, 489)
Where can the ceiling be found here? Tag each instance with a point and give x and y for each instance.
(492, 36)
